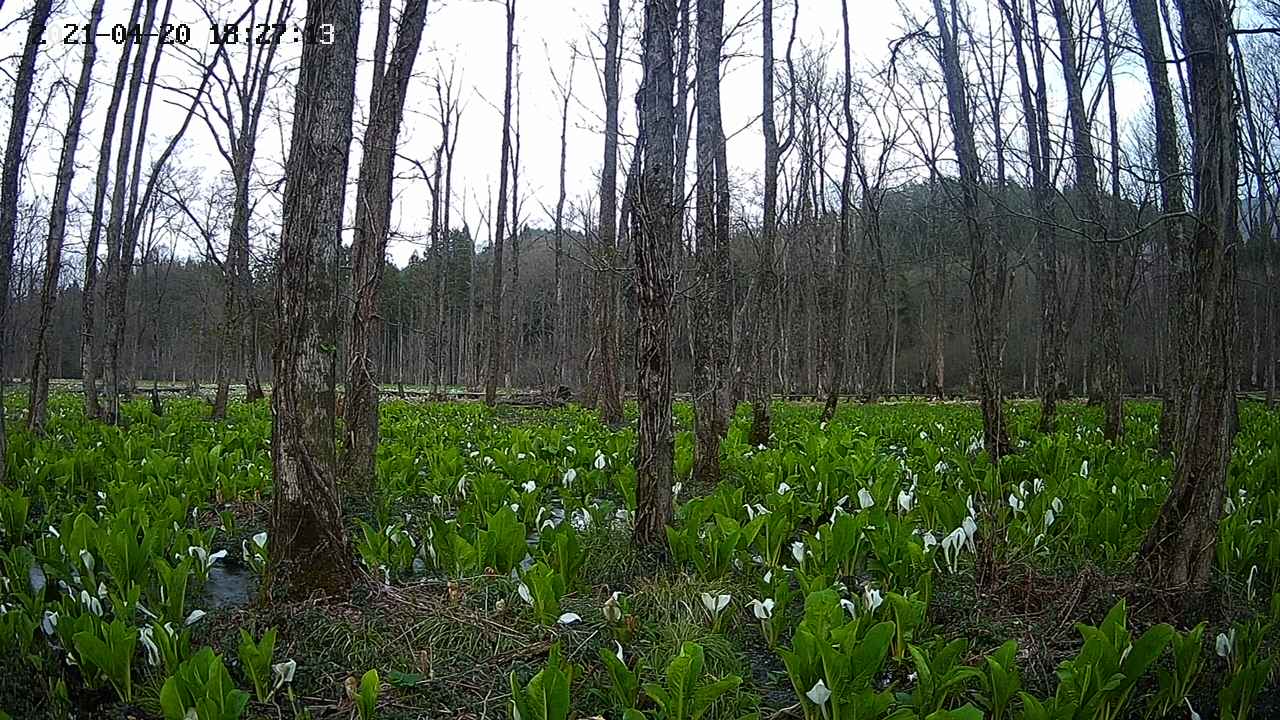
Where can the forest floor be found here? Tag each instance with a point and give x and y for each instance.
(449, 634)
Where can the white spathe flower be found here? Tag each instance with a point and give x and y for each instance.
(1225, 643)
(1084, 468)
(569, 618)
(529, 486)
(1056, 504)
(86, 557)
(149, 644)
(612, 610)
(1049, 517)
(523, 592)
(783, 488)
(818, 694)
(675, 490)
(872, 598)
(260, 540)
(91, 603)
(798, 551)
(1015, 503)
(618, 651)
(952, 545)
(569, 476)
(715, 604)
(600, 461)
(195, 617)
(762, 609)
(49, 623)
(864, 499)
(906, 501)
(284, 671)
(850, 606)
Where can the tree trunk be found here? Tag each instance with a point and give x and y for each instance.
(606, 356)
(655, 238)
(121, 227)
(500, 224)
(986, 270)
(1179, 550)
(369, 245)
(9, 190)
(309, 554)
(843, 265)
(1168, 154)
(710, 310)
(88, 337)
(1102, 255)
(39, 392)
(559, 337)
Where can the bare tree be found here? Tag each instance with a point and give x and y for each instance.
(1102, 252)
(233, 114)
(986, 272)
(559, 338)
(1179, 550)
(1168, 154)
(654, 246)
(309, 553)
(710, 311)
(9, 186)
(39, 392)
(88, 336)
(500, 223)
(369, 245)
(605, 335)
(843, 249)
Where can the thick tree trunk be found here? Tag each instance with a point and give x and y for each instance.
(606, 355)
(655, 238)
(500, 224)
(39, 392)
(710, 311)
(309, 554)
(369, 246)
(9, 190)
(1179, 550)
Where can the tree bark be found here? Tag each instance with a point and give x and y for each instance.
(9, 190)
(843, 263)
(710, 310)
(309, 553)
(985, 287)
(500, 224)
(606, 355)
(655, 238)
(1179, 304)
(39, 391)
(88, 336)
(369, 244)
(1179, 550)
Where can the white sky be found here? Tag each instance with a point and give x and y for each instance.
(468, 34)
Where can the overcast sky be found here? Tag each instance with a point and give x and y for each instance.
(467, 35)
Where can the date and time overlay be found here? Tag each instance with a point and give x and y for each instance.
(188, 34)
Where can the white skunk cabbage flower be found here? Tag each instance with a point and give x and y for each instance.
(284, 672)
(195, 617)
(715, 604)
(569, 618)
(864, 499)
(818, 694)
(906, 501)
(873, 598)
(762, 609)
(569, 476)
(600, 461)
